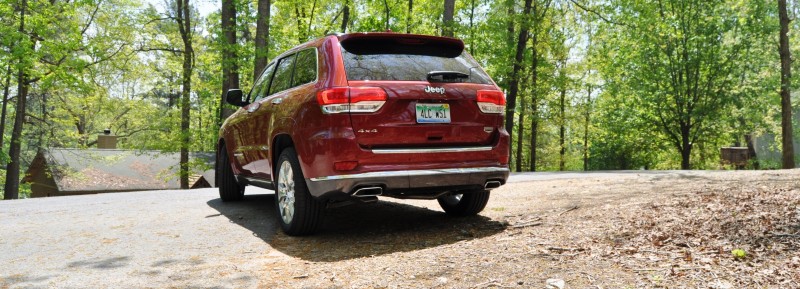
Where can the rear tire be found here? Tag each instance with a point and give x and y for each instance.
(229, 188)
(465, 204)
(299, 213)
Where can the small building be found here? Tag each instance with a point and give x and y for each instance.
(64, 171)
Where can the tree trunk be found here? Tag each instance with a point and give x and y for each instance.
(520, 134)
(534, 99)
(386, 15)
(513, 89)
(299, 19)
(472, 28)
(4, 113)
(786, 77)
(310, 21)
(686, 147)
(586, 118)
(447, 17)
(43, 126)
(185, 28)
(534, 136)
(408, 15)
(510, 13)
(346, 16)
(262, 38)
(230, 65)
(562, 126)
(11, 188)
(751, 151)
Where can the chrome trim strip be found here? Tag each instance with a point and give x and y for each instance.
(412, 173)
(431, 150)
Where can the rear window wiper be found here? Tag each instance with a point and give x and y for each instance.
(447, 76)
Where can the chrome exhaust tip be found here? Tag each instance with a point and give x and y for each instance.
(368, 192)
(492, 185)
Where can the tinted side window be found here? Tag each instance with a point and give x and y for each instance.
(305, 68)
(260, 88)
(283, 75)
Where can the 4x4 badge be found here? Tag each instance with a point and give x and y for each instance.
(430, 89)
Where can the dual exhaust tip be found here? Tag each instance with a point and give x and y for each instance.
(492, 185)
(368, 192)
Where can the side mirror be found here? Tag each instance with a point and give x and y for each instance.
(234, 97)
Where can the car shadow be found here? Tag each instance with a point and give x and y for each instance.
(359, 230)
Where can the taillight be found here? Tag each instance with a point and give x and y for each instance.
(491, 101)
(351, 99)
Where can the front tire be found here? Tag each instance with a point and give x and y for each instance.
(298, 212)
(229, 188)
(465, 204)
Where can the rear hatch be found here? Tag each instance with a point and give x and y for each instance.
(431, 87)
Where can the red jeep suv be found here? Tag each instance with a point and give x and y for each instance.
(347, 118)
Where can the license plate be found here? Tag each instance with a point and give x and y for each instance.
(433, 113)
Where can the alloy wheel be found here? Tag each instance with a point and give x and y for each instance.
(286, 196)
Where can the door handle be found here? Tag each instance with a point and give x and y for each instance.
(277, 101)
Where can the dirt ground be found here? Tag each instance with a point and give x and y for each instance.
(633, 230)
(640, 229)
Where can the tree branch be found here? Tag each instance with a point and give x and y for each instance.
(584, 8)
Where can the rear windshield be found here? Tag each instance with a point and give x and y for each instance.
(365, 64)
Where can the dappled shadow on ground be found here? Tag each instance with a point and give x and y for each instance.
(22, 280)
(359, 230)
(109, 263)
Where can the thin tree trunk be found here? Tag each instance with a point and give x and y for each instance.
(185, 25)
(262, 38)
(43, 127)
(408, 15)
(299, 19)
(447, 18)
(472, 29)
(561, 127)
(786, 77)
(230, 65)
(586, 118)
(11, 188)
(5, 106)
(534, 136)
(386, 13)
(514, 83)
(310, 20)
(510, 13)
(520, 134)
(534, 100)
(345, 16)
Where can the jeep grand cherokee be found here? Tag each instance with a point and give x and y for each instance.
(347, 118)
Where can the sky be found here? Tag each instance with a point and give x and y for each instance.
(204, 6)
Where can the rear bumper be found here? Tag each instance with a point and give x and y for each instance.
(407, 183)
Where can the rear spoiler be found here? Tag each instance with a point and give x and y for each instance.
(398, 43)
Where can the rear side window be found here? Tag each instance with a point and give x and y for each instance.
(283, 75)
(365, 60)
(305, 68)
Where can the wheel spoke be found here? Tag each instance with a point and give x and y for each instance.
(286, 192)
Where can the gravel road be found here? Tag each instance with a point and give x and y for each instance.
(191, 239)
